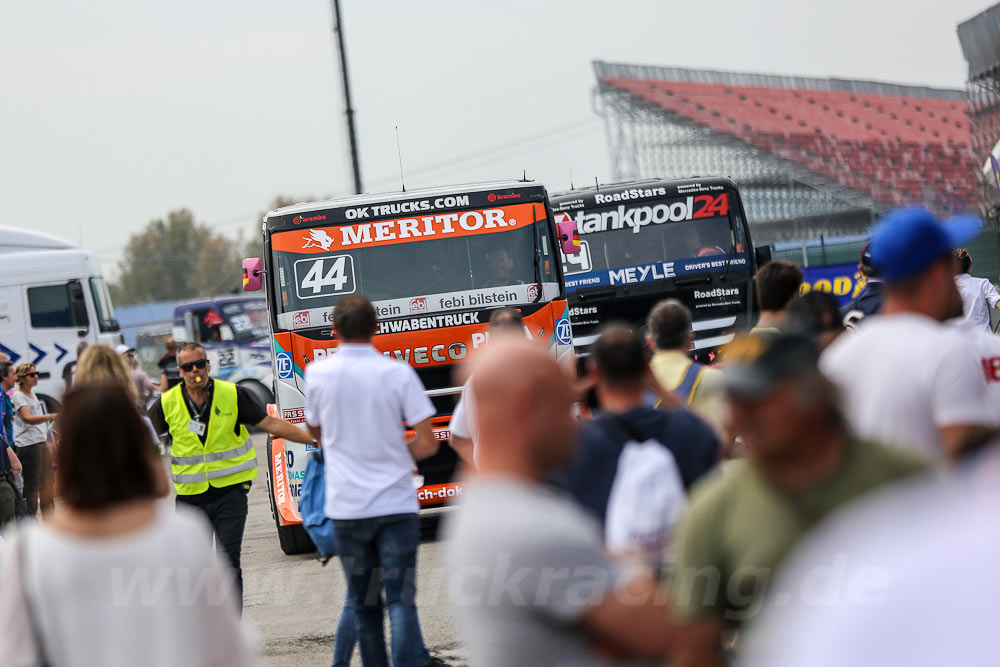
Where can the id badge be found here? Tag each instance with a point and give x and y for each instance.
(196, 427)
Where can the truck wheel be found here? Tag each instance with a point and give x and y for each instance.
(293, 539)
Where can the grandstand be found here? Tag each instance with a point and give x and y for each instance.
(814, 158)
(980, 39)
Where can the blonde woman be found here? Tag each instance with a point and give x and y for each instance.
(99, 364)
(31, 431)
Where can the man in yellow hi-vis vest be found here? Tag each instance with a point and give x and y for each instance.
(213, 461)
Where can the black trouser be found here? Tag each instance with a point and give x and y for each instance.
(227, 513)
(36, 469)
(6, 501)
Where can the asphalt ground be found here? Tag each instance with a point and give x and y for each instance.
(294, 603)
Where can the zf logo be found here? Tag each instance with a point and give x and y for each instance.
(284, 362)
(564, 334)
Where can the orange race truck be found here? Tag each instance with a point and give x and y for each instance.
(434, 263)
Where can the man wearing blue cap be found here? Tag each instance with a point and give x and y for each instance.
(907, 379)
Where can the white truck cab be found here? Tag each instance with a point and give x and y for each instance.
(52, 297)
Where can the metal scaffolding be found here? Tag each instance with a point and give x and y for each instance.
(646, 140)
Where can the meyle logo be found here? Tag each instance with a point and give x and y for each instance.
(716, 293)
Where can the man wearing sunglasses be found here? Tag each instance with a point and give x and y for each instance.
(213, 461)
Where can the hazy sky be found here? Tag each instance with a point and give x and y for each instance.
(116, 111)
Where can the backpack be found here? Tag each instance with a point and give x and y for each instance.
(312, 501)
(647, 497)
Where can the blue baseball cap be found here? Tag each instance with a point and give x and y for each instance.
(909, 240)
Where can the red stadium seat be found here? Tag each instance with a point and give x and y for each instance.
(889, 147)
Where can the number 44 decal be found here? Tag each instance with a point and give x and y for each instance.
(325, 276)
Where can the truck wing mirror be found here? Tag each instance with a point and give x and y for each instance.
(253, 273)
(569, 237)
(763, 253)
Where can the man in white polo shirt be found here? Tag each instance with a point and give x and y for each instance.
(907, 379)
(356, 400)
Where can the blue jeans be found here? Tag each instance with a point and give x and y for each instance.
(346, 636)
(379, 555)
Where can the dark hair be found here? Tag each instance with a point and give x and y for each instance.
(5, 367)
(619, 356)
(777, 284)
(964, 260)
(354, 317)
(506, 319)
(105, 453)
(814, 314)
(669, 324)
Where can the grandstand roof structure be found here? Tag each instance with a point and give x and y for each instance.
(808, 146)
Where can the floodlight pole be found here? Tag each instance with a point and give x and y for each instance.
(338, 30)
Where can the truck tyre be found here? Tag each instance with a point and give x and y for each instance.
(261, 393)
(293, 539)
(258, 391)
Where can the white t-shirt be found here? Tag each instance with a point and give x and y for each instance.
(986, 346)
(359, 399)
(976, 294)
(28, 434)
(903, 377)
(463, 421)
(156, 597)
(907, 577)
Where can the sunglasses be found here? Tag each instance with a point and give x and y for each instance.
(191, 365)
(30, 375)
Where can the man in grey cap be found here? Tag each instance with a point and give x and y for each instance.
(802, 464)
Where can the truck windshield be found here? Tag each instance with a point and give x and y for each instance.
(474, 264)
(673, 248)
(247, 319)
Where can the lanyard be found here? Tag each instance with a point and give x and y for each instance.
(195, 412)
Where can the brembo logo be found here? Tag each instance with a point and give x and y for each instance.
(298, 220)
(494, 196)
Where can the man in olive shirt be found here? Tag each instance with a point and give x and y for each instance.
(802, 464)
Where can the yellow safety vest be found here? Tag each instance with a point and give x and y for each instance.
(226, 458)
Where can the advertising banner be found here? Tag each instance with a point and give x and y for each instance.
(844, 281)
